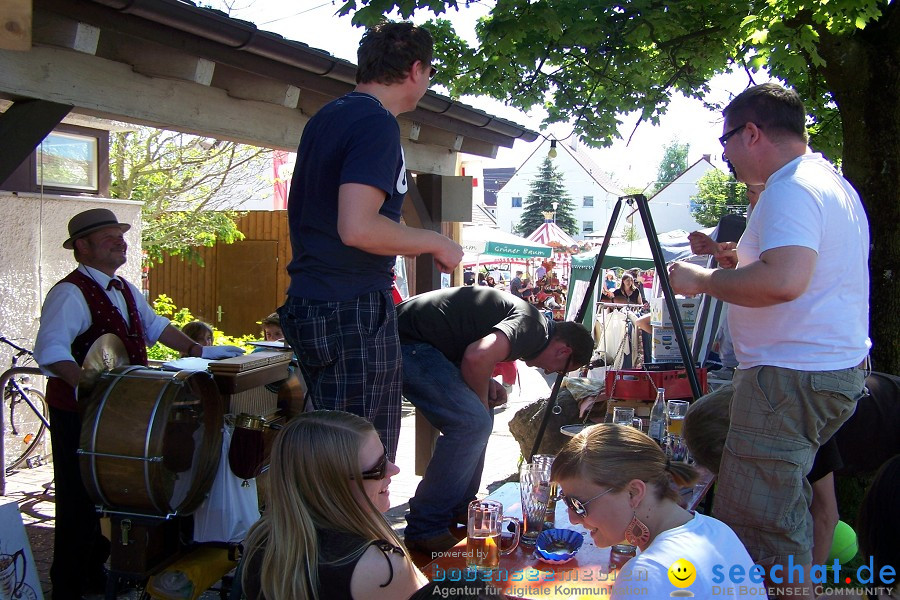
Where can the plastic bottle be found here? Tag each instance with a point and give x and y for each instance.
(657, 429)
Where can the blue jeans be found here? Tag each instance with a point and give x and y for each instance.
(435, 386)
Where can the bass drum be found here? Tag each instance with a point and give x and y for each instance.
(151, 440)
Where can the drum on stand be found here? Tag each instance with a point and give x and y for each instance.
(151, 440)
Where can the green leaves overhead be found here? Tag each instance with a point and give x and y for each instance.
(585, 62)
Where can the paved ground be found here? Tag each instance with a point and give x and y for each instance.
(31, 489)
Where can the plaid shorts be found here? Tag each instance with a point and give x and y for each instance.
(778, 418)
(349, 355)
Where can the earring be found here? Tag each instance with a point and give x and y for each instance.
(637, 533)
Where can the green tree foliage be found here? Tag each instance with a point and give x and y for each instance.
(547, 188)
(188, 186)
(165, 306)
(718, 194)
(588, 62)
(673, 163)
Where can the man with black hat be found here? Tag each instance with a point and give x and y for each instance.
(87, 303)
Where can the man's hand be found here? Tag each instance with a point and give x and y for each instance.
(220, 352)
(688, 279)
(702, 243)
(496, 394)
(724, 252)
(727, 255)
(448, 255)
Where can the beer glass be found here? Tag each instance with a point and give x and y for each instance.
(677, 449)
(484, 529)
(546, 460)
(534, 481)
(677, 411)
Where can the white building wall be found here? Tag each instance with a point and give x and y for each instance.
(671, 207)
(578, 184)
(32, 258)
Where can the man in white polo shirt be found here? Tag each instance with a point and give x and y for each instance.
(799, 319)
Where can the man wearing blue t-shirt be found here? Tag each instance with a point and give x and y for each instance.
(344, 215)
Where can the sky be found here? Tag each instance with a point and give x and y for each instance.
(314, 22)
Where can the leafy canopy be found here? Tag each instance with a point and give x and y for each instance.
(718, 194)
(587, 62)
(188, 186)
(673, 163)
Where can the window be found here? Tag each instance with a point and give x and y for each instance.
(70, 160)
(587, 226)
(517, 201)
(588, 201)
(67, 160)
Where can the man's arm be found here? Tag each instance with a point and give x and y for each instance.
(67, 370)
(172, 337)
(780, 275)
(361, 226)
(479, 360)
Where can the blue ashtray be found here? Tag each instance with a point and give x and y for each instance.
(558, 546)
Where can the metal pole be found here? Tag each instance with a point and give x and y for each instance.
(663, 275)
(579, 318)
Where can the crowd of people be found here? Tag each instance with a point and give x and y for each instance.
(798, 291)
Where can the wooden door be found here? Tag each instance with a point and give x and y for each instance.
(246, 274)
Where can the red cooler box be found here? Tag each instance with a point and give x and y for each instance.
(641, 385)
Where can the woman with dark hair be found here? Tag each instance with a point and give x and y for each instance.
(617, 483)
(627, 292)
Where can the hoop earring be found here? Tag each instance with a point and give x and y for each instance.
(637, 533)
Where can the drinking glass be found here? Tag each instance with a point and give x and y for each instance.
(623, 416)
(534, 481)
(484, 530)
(676, 448)
(677, 411)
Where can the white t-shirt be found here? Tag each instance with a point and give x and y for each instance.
(807, 203)
(709, 545)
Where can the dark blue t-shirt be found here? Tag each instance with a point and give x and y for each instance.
(353, 139)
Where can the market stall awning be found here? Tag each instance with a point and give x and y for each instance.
(478, 240)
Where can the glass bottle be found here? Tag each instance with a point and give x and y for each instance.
(657, 429)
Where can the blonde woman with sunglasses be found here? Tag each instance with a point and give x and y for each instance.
(323, 536)
(617, 483)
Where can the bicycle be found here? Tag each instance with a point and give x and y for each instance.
(27, 417)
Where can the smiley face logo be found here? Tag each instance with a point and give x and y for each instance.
(682, 573)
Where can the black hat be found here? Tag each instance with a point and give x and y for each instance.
(89, 221)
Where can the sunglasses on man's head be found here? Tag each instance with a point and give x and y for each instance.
(577, 506)
(379, 471)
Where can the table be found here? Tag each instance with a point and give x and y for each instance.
(523, 576)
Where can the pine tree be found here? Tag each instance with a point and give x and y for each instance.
(546, 188)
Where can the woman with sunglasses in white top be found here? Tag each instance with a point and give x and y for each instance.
(617, 483)
(322, 535)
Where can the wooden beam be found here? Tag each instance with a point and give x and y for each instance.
(113, 90)
(156, 60)
(55, 30)
(22, 127)
(249, 86)
(15, 25)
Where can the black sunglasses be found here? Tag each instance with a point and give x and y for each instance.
(432, 73)
(379, 471)
(727, 136)
(577, 506)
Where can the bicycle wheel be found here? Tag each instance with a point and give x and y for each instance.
(24, 430)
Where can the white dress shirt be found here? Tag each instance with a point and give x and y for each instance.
(66, 315)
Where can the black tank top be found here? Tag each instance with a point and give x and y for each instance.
(335, 571)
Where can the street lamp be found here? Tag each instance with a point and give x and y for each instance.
(555, 205)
